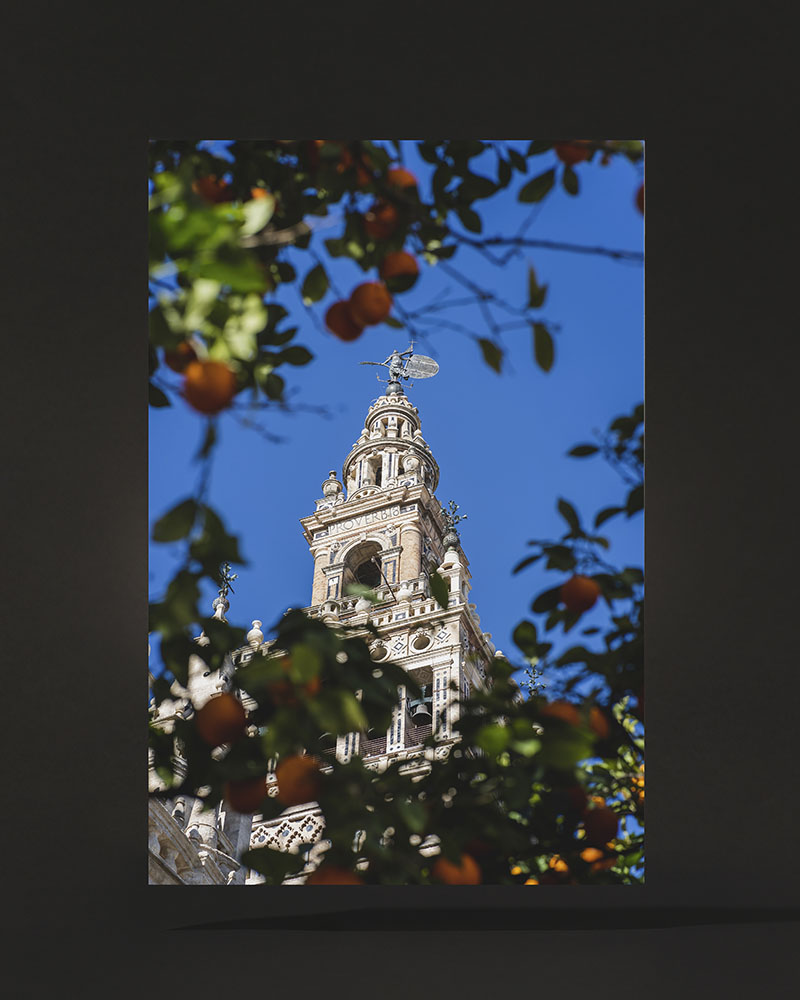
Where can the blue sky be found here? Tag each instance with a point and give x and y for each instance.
(500, 440)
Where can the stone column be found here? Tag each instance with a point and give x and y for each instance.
(205, 821)
(410, 557)
(396, 736)
(319, 586)
(441, 702)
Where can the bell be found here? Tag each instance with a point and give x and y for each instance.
(420, 715)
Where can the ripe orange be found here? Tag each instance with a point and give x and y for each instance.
(381, 220)
(579, 593)
(562, 710)
(572, 152)
(363, 175)
(178, 359)
(208, 386)
(600, 824)
(598, 722)
(298, 780)
(284, 691)
(466, 872)
(402, 178)
(531, 881)
(558, 864)
(591, 854)
(245, 795)
(398, 264)
(259, 193)
(370, 303)
(332, 875)
(640, 199)
(341, 324)
(221, 720)
(212, 190)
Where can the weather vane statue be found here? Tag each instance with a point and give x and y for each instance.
(221, 603)
(406, 365)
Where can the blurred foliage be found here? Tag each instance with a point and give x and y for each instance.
(518, 790)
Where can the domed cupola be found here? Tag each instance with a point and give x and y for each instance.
(391, 450)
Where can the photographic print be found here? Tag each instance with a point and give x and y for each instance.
(396, 512)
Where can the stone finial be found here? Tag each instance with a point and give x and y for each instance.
(331, 487)
(220, 606)
(255, 636)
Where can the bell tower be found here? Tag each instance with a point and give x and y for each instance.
(382, 527)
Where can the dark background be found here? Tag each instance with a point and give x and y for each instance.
(708, 92)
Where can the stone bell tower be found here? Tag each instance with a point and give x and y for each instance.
(381, 526)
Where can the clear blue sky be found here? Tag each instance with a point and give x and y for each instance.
(500, 440)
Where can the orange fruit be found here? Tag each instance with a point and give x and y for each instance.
(245, 795)
(332, 875)
(572, 152)
(208, 386)
(598, 722)
(558, 864)
(531, 881)
(381, 220)
(398, 264)
(178, 359)
(363, 175)
(563, 710)
(212, 190)
(284, 691)
(466, 872)
(591, 854)
(601, 825)
(259, 193)
(341, 324)
(298, 780)
(400, 177)
(579, 593)
(221, 720)
(370, 303)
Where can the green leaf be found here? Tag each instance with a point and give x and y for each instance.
(605, 514)
(413, 813)
(470, 219)
(635, 501)
(156, 397)
(315, 284)
(543, 347)
(536, 292)
(361, 590)
(492, 738)
(440, 589)
(569, 179)
(537, 188)
(257, 213)
(273, 385)
(242, 272)
(492, 354)
(547, 600)
(525, 637)
(273, 865)
(560, 557)
(527, 561)
(504, 172)
(538, 146)
(394, 322)
(176, 523)
(294, 356)
(518, 160)
(583, 450)
(568, 512)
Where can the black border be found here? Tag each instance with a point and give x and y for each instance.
(722, 693)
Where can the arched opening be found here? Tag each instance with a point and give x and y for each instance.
(362, 565)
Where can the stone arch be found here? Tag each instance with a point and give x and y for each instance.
(359, 566)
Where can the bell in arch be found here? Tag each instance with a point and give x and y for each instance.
(420, 714)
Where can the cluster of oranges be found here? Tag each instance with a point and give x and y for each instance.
(370, 302)
(570, 713)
